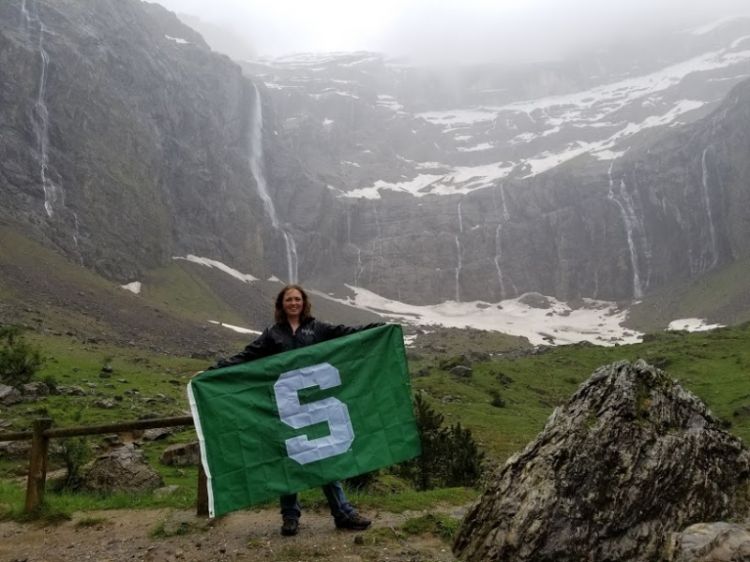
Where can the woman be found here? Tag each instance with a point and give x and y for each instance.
(295, 328)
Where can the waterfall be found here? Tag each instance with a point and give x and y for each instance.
(76, 234)
(376, 245)
(25, 17)
(256, 167)
(459, 262)
(504, 218)
(359, 269)
(709, 215)
(40, 115)
(379, 228)
(292, 260)
(459, 265)
(629, 218)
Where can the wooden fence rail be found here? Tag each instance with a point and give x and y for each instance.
(42, 431)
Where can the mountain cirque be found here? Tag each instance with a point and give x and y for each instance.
(126, 141)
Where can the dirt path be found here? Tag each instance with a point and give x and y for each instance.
(168, 535)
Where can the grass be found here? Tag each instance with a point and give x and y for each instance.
(141, 383)
(714, 365)
(185, 294)
(722, 296)
(437, 524)
(86, 522)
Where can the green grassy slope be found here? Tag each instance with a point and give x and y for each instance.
(524, 385)
(720, 297)
(43, 290)
(714, 365)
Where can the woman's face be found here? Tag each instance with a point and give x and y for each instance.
(293, 303)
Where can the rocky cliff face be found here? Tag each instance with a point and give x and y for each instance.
(570, 179)
(630, 458)
(126, 141)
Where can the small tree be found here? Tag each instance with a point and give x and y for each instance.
(450, 456)
(19, 361)
(75, 453)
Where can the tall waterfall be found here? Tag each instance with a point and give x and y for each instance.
(709, 215)
(256, 166)
(504, 218)
(459, 265)
(459, 257)
(53, 194)
(625, 204)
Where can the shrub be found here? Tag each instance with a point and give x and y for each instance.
(75, 453)
(497, 400)
(450, 456)
(51, 383)
(439, 525)
(19, 361)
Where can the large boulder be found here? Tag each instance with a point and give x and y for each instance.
(182, 454)
(711, 542)
(121, 469)
(629, 459)
(9, 395)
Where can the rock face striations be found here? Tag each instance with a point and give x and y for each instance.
(125, 141)
(630, 458)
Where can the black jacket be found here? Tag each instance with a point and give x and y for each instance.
(279, 338)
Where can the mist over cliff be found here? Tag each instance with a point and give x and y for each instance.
(127, 141)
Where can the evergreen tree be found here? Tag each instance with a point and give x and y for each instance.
(19, 361)
(450, 456)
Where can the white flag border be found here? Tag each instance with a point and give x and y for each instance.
(202, 447)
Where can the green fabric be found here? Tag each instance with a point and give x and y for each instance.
(244, 440)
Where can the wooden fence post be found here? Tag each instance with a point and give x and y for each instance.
(37, 465)
(202, 504)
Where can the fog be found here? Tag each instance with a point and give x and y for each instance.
(432, 31)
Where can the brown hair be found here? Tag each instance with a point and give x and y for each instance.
(279, 313)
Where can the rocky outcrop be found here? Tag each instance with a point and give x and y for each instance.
(9, 395)
(181, 454)
(710, 542)
(630, 458)
(125, 139)
(121, 469)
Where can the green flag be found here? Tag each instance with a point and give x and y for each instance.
(304, 418)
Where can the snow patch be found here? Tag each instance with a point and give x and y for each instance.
(178, 40)
(692, 325)
(598, 322)
(246, 277)
(476, 148)
(389, 102)
(134, 287)
(238, 329)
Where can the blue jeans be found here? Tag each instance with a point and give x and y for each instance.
(334, 492)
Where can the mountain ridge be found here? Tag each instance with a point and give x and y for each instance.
(168, 149)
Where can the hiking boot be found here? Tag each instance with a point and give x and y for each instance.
(289, 527)
(353, 523)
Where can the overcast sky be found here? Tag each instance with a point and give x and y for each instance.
(446, 30)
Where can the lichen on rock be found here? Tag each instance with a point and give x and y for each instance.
(631, 457)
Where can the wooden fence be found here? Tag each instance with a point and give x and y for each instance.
(42, 431)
